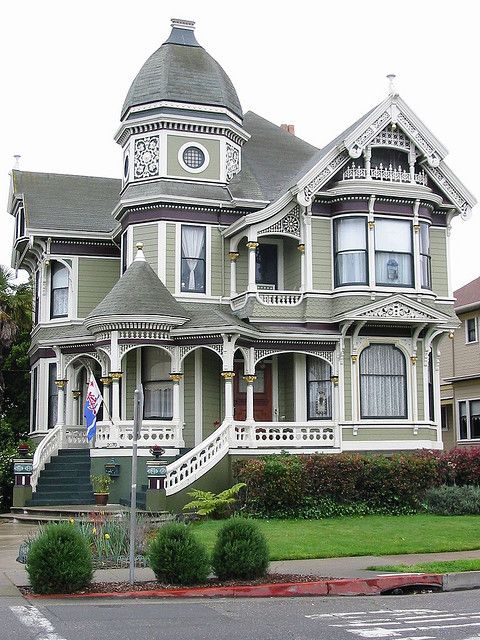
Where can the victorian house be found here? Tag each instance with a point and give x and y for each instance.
(267, 294)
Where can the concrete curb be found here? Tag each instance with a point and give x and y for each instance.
(338, 587)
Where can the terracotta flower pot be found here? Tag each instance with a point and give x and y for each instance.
(101, 498)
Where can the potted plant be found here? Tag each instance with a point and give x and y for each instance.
(101, 488)
(23, 449)
(156, 451)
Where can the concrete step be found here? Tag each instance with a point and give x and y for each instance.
(45, 514)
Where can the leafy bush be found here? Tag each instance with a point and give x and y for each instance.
(453, 501)
(206, 503)
(176, 556)
(240, 551)
(59, 560)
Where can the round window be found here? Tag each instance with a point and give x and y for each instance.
(126, 166)
(193, 157)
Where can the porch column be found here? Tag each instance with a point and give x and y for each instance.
(116, 376)
(233, 255)
(307, 281)
(416, 247)
(61, 384)
(76, 393)
(250, 381)
(228, 377)
(176, 378)
(252, 248)
(106, 382)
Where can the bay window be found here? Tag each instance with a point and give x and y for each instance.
(425, 268)
(393, 253)
(59, 290)
(383, 383)
(193, 272)
(319, 389)
(351, 251)
(157, 386)
(469, 419)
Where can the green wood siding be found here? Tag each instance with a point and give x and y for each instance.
(420, 369)
(286, 387)
(347, 381)
(96, 277)
(242, 266)
(189, 400)
(438, 253)
(174, 168)
(148, 234)
(387, 433)
(292, 270)
(212, 391)
(130, 382)
(217, 286)
(170, 257)
(321, 253)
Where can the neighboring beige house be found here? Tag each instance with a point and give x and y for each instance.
(460, 372)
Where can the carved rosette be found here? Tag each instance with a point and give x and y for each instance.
(289, 224)
(146, 157)
(232, 161)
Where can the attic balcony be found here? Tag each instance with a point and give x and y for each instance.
(385, 174)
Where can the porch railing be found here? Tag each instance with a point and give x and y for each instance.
(284, 434)
(386, 174)
(120, 435)
(60, 437)
(198, 461)
(280, 298)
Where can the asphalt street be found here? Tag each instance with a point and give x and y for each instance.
(449, 616)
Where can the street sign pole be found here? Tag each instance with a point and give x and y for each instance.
(137, 425)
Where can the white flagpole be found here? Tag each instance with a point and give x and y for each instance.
(137, 425)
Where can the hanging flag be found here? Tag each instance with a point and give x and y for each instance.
(92, 405)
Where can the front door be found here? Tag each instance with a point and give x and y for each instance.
(262, 393)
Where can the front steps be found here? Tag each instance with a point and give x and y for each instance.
(65, 480)
(43, 515)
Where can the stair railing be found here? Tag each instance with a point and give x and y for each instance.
(47, 448)
(198, 461)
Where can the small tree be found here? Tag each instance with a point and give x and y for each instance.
(240, 551)
(59, 560)
(176, 556)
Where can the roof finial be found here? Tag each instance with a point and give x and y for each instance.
(391, 87)
(17, 161)
(140, 257)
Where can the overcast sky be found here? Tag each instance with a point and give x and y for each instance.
(66, 67)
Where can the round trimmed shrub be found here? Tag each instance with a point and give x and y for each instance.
(59, 560)
(176, 556)
(240, 551)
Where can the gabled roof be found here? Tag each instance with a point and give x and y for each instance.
(468, 295)
(138, 293)
(62, 202)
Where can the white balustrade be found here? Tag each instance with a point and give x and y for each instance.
(159, 432)
(198, 461)
(47, 448)
(280, 298)
(392, 174)
(283, 434)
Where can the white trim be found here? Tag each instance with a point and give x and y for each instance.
(275, 406)
(198, 396)
(467, 341)
(162, 251)
(178, 262)
(390, 445)
(201, 148)
(127, 453)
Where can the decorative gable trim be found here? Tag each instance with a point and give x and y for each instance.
(453, 188)
(396, 308)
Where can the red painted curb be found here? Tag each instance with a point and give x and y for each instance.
(339, 587)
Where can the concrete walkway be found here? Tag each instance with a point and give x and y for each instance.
(13, 574)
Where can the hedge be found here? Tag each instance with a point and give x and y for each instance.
(309, 485)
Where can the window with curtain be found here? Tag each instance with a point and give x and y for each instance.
(393, 253)
(351, 251)
(157, 386)
(469, 419)
(383, 383)
(52, 395)
(425, 268)
(59, 291)
(319, 389)
(193, 259)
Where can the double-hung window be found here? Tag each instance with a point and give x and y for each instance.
(59, 291)
(319, 389)
(193, 272)
(471, 330)
(351, 263)
(393, 253)
(157, 386)
(425, 268)
(469, 419)
(383, 382)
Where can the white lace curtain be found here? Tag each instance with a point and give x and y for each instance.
(193, 240)
(351, 260)
(393, 252)
(59, 289)
(319, 389)
(383, 392)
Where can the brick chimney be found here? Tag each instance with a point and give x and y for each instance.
(289, 128)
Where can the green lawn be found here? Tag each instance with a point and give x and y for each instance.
(369, 535)
(444, 566)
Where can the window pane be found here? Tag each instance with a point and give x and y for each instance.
(59, 275)
(393, 268)
(383, 382)
(158, 400)
(266, 264)
(193, 259)
(156, 364)
(319, 400)
(471, 330)
(59, 302)
(424, 238)
(425, 272)
(393, 236)
(475, 419)
(462, 411)
(318, 369)
(351, 234)
(351, 267)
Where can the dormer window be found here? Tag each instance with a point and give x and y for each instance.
(20, 223)
(59, 291)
